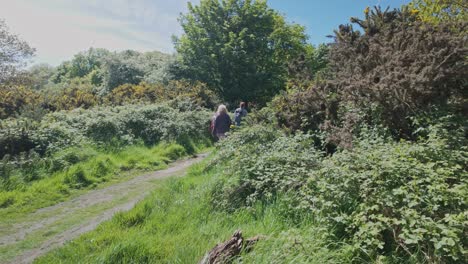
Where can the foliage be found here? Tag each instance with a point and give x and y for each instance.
(261, 164)
(119, 70)
(39, 76)
(16, 97)
(310, 65)
(106, 126)
(400, 65)
(82, 64)
(107, 70)
(238, 48)
(197, 92)
(78, 93)
(179, 213)
(14, 54)
(397, 68)
(398, 199)
(437, 11)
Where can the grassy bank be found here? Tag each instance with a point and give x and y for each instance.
(83, 169)
(177, 224)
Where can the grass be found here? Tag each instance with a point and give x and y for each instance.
(88, 168)
(177, 224)
(66, 220)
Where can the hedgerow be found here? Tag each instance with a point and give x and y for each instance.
(31, 150)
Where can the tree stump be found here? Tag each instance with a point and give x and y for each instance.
(225, 252)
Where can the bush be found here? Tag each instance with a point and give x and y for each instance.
(396, 199)
(399, 64)
(31, 150)
(403, 198)
(102, 125)
(398, 68)
(23, 135)
(261, 163)
(197, 93)
(14, 98)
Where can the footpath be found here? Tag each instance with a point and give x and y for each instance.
(51, 227)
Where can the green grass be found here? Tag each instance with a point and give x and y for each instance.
(91, 169)
(177, 224)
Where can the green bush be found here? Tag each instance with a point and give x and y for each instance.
(261, 163)
(401, 198)
(111, 126)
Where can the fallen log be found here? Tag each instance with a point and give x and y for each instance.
(226, 251)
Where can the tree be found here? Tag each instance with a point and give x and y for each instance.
(436, 11)
(309, 65)
(13, 53)
(82, 64)
(240, 48)
(120, 69)
(39, 75)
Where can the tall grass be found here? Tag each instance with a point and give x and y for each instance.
(78, 169)
(177, 224)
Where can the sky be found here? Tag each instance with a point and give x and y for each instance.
(58, 29)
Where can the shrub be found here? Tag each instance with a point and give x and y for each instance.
(262, 163)
(15, 136)
(404, 198)
(397, 199)
(400, 64)
(398, 68)
(195, 92)
(14, 98)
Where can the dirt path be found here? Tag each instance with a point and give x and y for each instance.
(119, 197)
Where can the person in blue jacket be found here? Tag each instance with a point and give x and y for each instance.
(240, 113)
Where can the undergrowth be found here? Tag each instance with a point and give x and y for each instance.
(384, 202)
(177, 224)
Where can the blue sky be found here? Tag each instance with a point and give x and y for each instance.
(321, 17)
(58, 29)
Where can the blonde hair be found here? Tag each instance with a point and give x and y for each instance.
(222, 109)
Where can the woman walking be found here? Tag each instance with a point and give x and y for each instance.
(221, 123)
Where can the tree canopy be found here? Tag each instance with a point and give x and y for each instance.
(435, 11)
(14, 53)
(240, 48)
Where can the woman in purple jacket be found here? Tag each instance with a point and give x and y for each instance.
(221, 123)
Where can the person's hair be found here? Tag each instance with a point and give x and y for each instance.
(222, 109)
(242, 105)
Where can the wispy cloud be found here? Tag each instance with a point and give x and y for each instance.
(60, 28)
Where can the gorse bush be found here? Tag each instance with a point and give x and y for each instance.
(172, 90)
(397, 68)
(399, 64)
(15, 97)
(79, 93)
